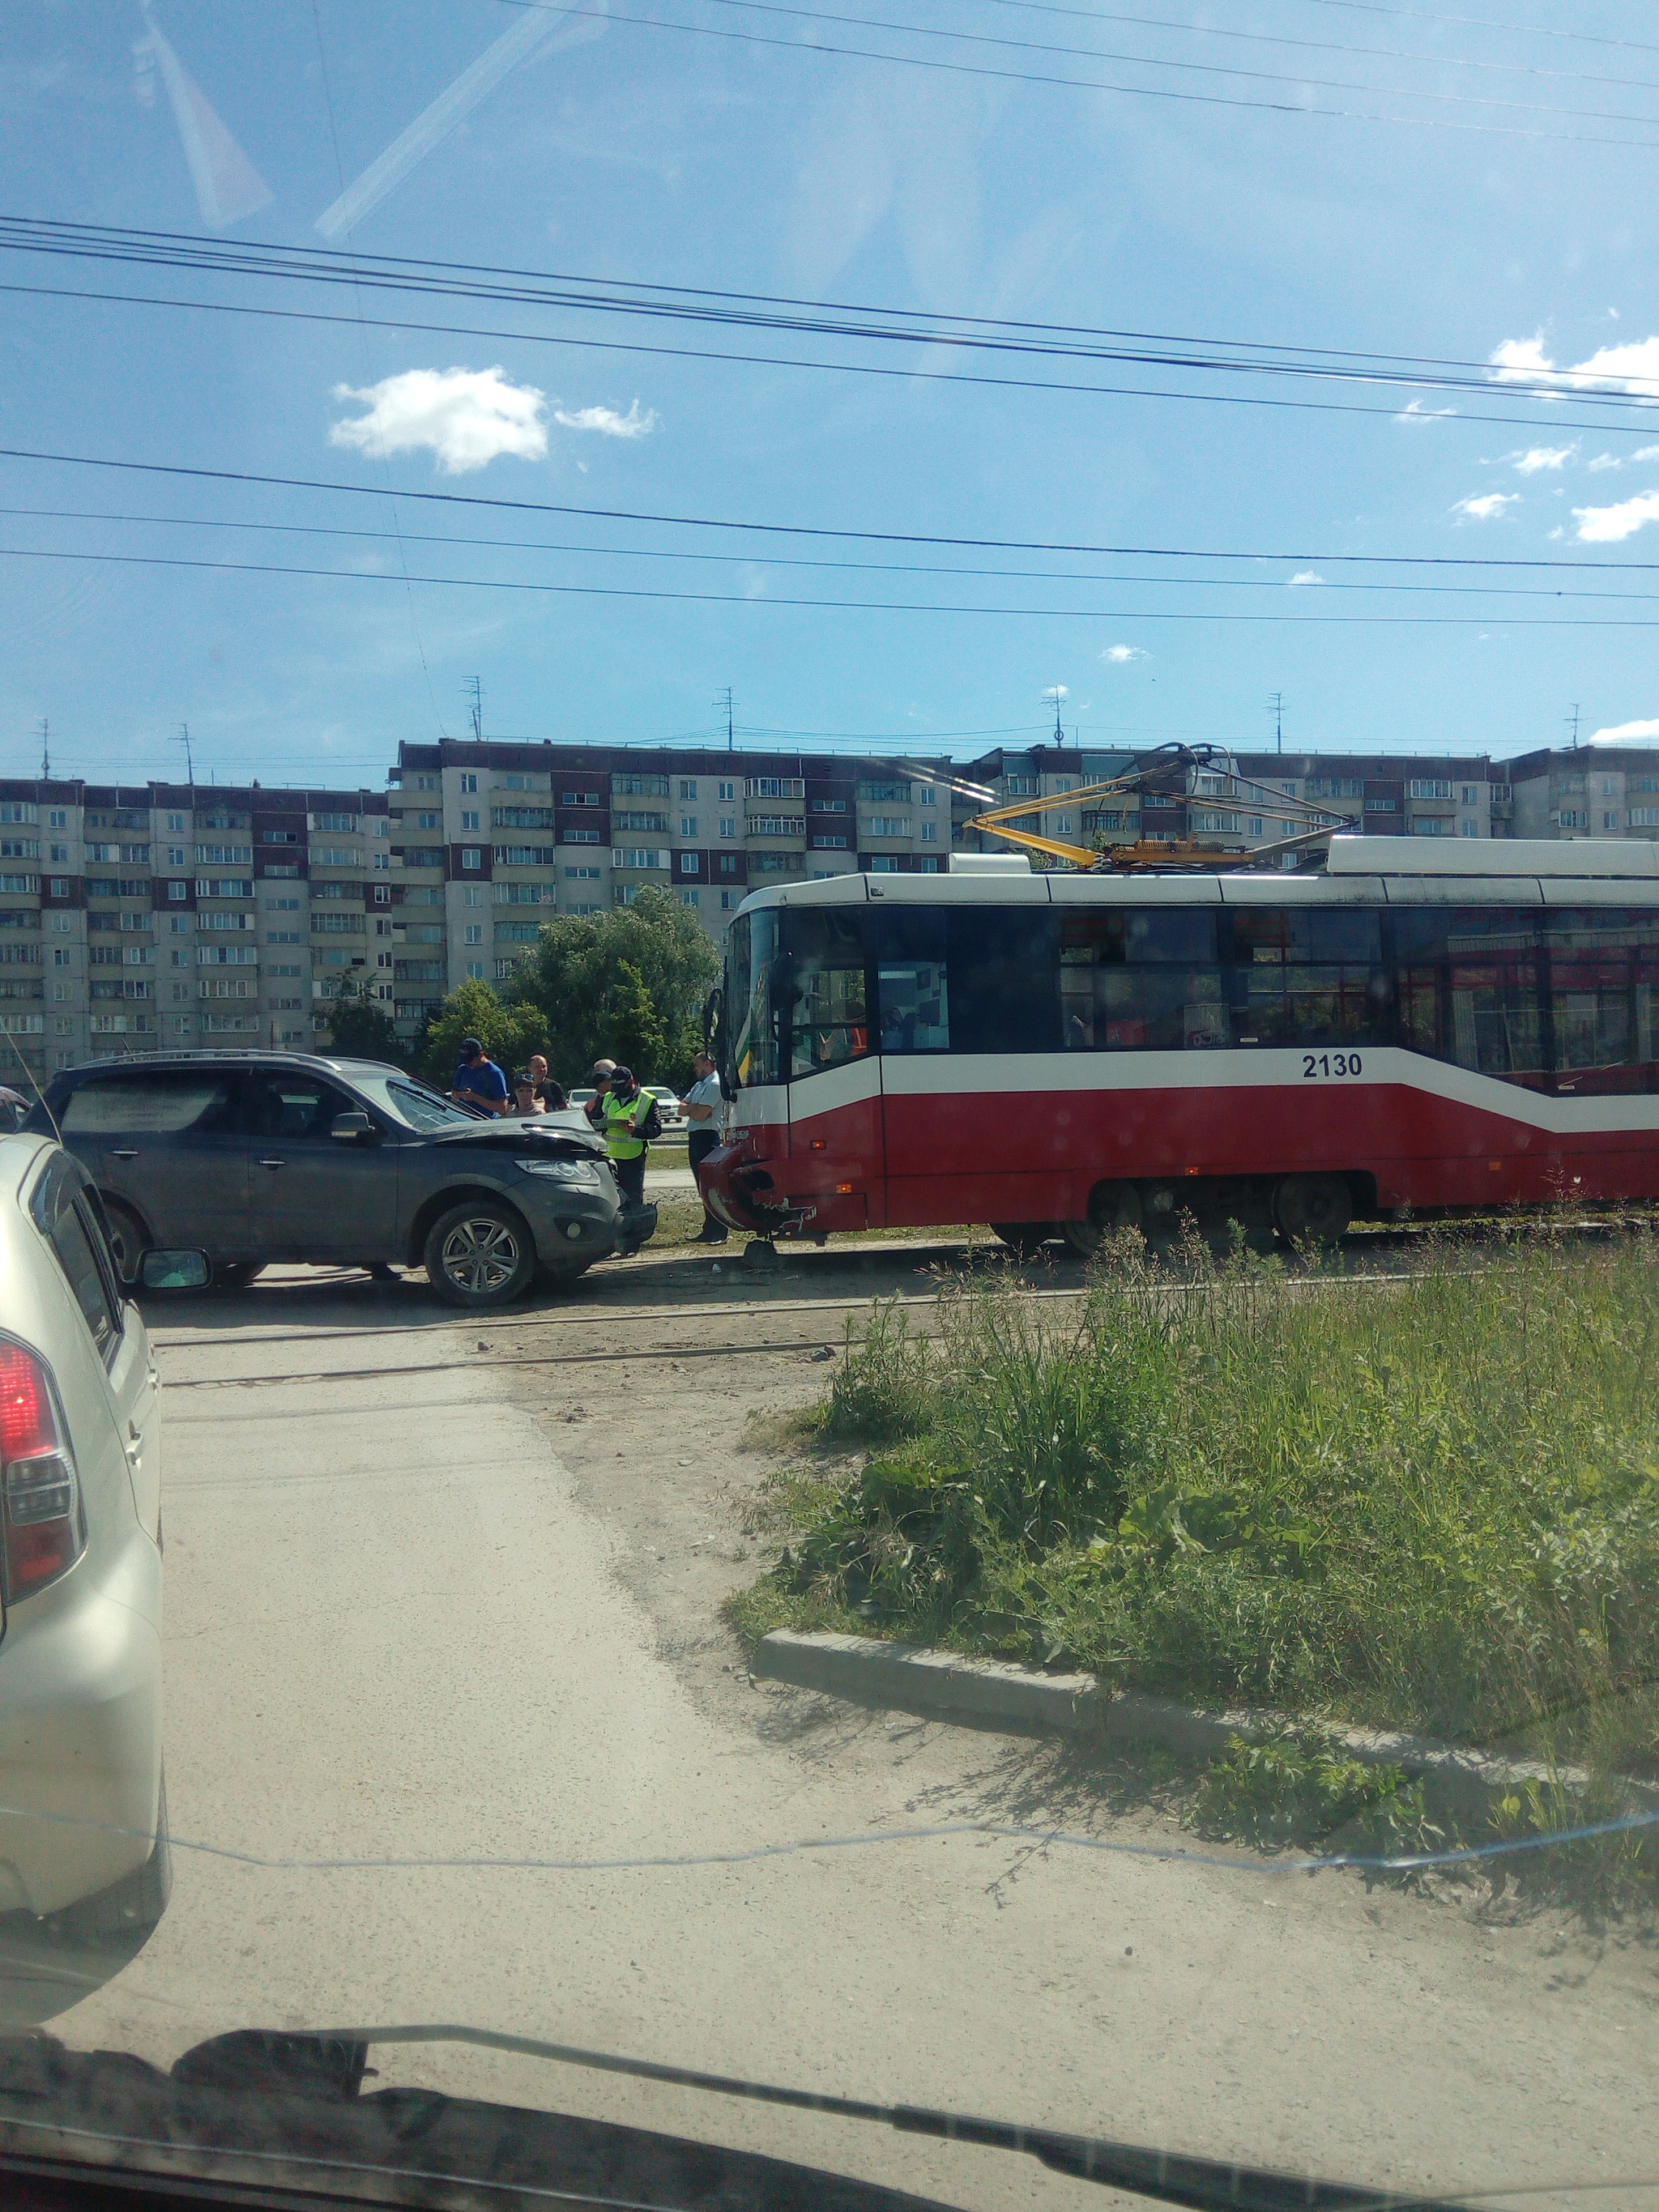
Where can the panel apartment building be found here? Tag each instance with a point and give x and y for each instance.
(139, 917)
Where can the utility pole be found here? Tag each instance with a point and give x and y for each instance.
(45, 749)
(474, 689)
(1277, 703)
(182, 739)
(724, 700)
(1572, 721)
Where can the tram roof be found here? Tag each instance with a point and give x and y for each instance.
(1359, 871)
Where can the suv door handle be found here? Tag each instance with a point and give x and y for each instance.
(273, 1164)
(128, 1155)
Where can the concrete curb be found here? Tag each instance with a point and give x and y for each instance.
(991, 1693)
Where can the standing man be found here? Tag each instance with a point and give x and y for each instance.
(702, 1106)
(594, 1109)
(551, 1094)
(626, 1105)
(478, 1081)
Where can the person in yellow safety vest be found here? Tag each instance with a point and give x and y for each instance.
(626, 1105)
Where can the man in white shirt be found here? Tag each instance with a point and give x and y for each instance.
(702, 1107)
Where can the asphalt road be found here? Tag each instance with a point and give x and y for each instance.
(431, 1606)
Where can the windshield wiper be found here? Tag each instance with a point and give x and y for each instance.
(340, 2055)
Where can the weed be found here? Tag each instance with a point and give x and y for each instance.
(882, 1389)
(1294, 1788)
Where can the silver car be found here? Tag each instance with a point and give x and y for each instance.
(83, 1821)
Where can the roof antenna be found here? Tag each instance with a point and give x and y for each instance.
(182, 739)
(45, 749)
(1057, 692)
(1572, 721)
(475, 713)
(726, 701)
(1277, 703)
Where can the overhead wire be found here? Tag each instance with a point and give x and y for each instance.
(1288, 106)
(1485, 23)
(790, 315)
(590, 551)
(851, 606)
(823, 530)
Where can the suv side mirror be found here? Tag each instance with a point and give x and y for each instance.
(353, 1129)
(173, 1271)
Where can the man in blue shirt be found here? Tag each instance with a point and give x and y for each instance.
(478, 1081)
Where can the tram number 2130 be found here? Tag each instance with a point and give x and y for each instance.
(1317, 1064)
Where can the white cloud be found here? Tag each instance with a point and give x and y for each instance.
(466, 417)
(1646, 454)
(606, 420)
(1634, 368)
(1057, 691)
(1415, 411)
(1115, 655)
(1605, 461)
(1540, 457)
(1622, 733)
(1487, 506)
(1606, 525)
(1306, 576)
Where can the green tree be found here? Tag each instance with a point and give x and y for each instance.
(633, 1030)
(576, 976)
(509, 1033)
(360, 1027)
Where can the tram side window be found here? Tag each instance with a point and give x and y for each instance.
(913, 993)
(830, 1020)
(1145, 979)
(1468, 989)
(1309, 975)
(751, 959)
(1603, 969)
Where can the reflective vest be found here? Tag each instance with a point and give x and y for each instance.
(620, 1140)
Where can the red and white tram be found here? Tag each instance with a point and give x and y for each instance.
(1419, 1026)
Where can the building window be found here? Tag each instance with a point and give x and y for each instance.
(928, 796)
(688, 863)
(1468, 829)
(930, 830)
(1471, 795)
(688, 825)
(473, 934)
(728, 864)
(1429, 786)
(583, 875)
(883, 864)
(469, 783)
(1574, 818)
(829, 844)
(1610, 787)
(688, 898)
(569, 836)
(1610, 818)
(472, 895)
(728, 900)
(579, 798)
(688, 786)
(727, 791)
(728, 826)
(475, 971)
(1430, 826)
(471, 856)
(470, 818)
(429, 821)
(1644, 818)
(829, 806)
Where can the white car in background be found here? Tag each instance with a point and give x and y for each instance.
(673, 1120)
(83, 1810)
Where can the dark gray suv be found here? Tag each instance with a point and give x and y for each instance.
(254, 1157)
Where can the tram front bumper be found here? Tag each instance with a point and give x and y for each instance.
(740, 1191)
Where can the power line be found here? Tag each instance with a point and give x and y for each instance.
(1094, 85)
(824, 531)
(590, 551)
(851, 606)
(760, 311)
(1483, 23)
(1331, 46)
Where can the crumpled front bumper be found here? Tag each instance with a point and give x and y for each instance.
(742, 1193)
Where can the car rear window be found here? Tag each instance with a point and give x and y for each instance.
(161, 1102)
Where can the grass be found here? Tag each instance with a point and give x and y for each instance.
(1430, 1505)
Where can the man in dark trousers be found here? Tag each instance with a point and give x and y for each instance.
(479, 1082)
(702, 1107)
(626, 1106)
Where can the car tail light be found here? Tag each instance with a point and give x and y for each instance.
(42, 1533)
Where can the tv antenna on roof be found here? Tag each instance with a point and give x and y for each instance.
(724, 700)
(474, 689)
(46, 748)
(182, 737)
(1572, 721)
(1057, 692)
(1276, 702)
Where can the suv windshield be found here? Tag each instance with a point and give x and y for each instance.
(414, 1104)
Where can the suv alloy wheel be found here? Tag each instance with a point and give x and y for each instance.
(479, 1253)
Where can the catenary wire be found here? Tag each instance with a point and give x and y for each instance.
(820, 530)
(1485, 23)
(797, 561)
(846, 606)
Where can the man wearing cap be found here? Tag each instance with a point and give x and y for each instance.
(626, 1105)
(594, 1109)
(479, 1082)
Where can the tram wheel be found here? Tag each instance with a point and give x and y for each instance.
(1312, 1208)
(1025, 1238)
(1113, 1208)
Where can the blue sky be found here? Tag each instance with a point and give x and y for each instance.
(657, 152)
